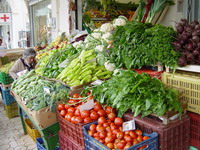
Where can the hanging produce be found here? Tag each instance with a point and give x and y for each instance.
(138, 44)
(139, 93)
(83, 69)
(188, 42)
(31, 88)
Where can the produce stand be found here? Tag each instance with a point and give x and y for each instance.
(49, 134)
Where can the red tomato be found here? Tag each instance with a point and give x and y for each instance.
(60, 107)
(118, 121)
(129, 139)
(97, 138)
(85, 114)
(117, 140)
(93, 127)
(113, 127)
(133, 134)
(102, 135)
(110, 110)
(110, 145)
(127, 132)
(109, 121)
(75, 95)
(101, 120)
(69, 116)
(109, 139)
(77, 112)
(121, 129)
(88, 93)
(111, 116)
(135, 141)
(101, 129)
(66, 106)
(121, 145)
(108, 129)
(139, 138)
(90, 97)
(98, 126)
(102, 141)
(73, 119)
(87, 120)
(71, 101)
(114, 136)
(94, 115)
(109, 133)
(101, 113)
(63, 112)
(145, 138)
(79, 119)
(115, 131)
(71, 110)
(91, 133)
(106, 125)
(120, 135)
(138, 132)
(97, 107)
(96, 134)
(143, 147)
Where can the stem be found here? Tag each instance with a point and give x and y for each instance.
(147, 8)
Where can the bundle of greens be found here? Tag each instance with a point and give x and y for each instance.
(140, 93)
(37, 92)
(5, 68)
(138, 44)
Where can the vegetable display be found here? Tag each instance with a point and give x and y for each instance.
(71, 112)
(139, 93)
(188, 42)
(83, 69)
(5, 68)
(110, 133)
(138, 44)
(32, 87)
(49, 65)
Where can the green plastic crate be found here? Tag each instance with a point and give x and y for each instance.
(5, 78)
(11, 110)
(51, 142)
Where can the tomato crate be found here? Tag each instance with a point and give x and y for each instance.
(93, 144)
(172, 136)
(34, 133)
(11, 110)
(194, 129)
(152, 73)
(6, 96)
(66, 143)
(40, 144)
(5, 78)
(190, 86)
(74, 131)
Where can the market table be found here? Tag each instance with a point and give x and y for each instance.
(49, 134)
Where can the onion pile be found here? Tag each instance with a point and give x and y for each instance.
(188, 42)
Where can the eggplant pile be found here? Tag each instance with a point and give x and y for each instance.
(188, 42)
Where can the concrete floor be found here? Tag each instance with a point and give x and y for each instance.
(11, 134)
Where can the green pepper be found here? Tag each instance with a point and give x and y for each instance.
(85, 74)
(86, 79)
(98, 72)
(91, 67)
(105, 77)
(103, 73)
(74, 79)
(75, 83)
(94, 78)
(90, 57)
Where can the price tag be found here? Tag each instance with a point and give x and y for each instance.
(21, 73)
(97, 82)
(87, 106)
(129, 125)
(47, 90)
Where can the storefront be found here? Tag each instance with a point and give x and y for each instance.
(40, 14)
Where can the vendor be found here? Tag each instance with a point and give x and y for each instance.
(27, 62)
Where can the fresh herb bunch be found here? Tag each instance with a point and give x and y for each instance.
(138, 44)
(140, 93)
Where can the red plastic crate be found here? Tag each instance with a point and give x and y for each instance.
(152, 73)
(194, 129)
(68, 144)
(172, 136)
(74, 131)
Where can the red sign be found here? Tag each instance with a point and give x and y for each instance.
(5, 17)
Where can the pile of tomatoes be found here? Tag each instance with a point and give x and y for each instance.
(110, 133)
(72, 113)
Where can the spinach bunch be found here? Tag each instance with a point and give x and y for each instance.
(140, 93)
(139, 44)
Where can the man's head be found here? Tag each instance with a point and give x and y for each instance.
(29, 55)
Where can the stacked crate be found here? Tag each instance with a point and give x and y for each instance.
(10, 105)
(189, 83)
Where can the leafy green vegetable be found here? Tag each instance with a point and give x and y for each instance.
(140, 93)
(138, 44)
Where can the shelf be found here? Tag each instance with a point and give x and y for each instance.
(190, 68)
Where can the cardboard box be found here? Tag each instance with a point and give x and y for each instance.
(44, 117)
